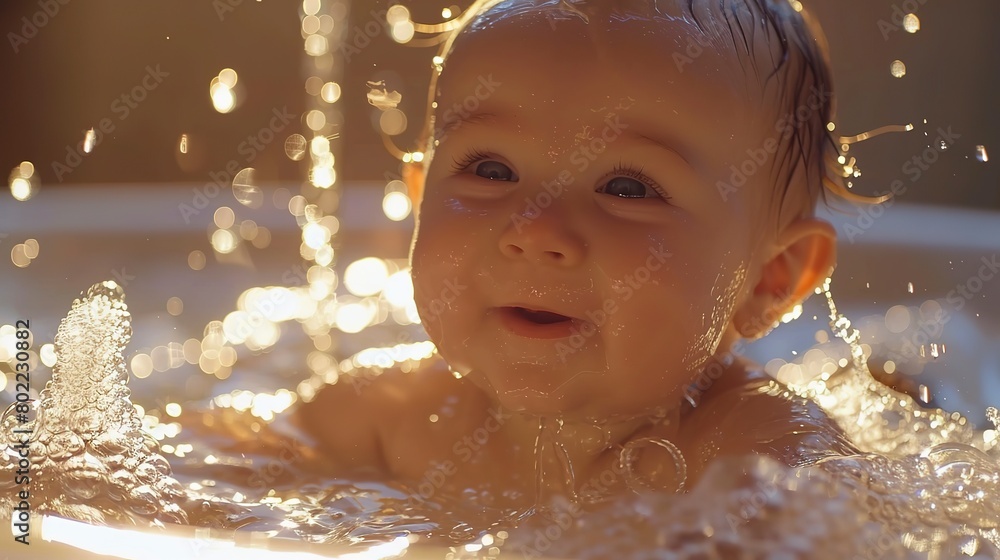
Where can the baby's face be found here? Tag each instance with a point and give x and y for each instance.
(584, 182)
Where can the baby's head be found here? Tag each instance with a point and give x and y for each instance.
(647, 168)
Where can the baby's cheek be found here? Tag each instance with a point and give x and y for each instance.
(717, 312)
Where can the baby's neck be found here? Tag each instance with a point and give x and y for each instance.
(579, 457)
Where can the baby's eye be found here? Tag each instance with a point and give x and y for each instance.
(625, 187)
(494, 170)
(488, 169)
(630, 183)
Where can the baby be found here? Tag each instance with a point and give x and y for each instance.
(616, 195)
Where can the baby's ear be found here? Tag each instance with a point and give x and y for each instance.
(414, 174)
(806, 256)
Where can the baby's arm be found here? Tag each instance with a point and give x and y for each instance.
(345, 419)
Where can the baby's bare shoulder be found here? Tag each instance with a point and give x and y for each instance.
(760, 415)
(374, 417)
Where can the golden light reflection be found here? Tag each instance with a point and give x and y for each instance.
(897, 69)
(245, 188)
(911, 23)
(223, 241)
(330, 92)
(89, 140)
(19, 257)
(20, 188)
(175, 306)
(196, 260)
(295, 147)
(142, 365)
(224, 217)
(183, 147)
(366, 277)
(396, 206)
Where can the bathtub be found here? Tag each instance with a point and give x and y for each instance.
(141, 240)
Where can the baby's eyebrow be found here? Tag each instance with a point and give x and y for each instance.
(454, 121)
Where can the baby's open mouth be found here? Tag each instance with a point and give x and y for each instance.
(536, 323)
(540, 317)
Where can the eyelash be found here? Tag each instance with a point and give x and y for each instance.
(468, 159)
(626, 170)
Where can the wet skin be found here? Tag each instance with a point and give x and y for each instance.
(585, 184)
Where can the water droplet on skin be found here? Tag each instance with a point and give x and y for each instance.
(943, 146)
(245, 189)
(897, 68)
(911, 23)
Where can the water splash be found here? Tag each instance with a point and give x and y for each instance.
(89, 457)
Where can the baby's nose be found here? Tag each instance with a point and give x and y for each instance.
(542, 237)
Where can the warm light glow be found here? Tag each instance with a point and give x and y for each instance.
(131, 544)
(228, 77)
(196, 260)
(330, 92)
(366, 277)
(21, 189)
(88, 141)
(223, 98)
(47, 353)
(396, 206)
(224, 241)
(224, 217)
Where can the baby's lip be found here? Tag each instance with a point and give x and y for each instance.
(540, 307)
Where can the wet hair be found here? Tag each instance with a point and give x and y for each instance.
(798, 54)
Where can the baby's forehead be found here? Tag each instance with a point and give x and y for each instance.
(623, 39)
(573, 75)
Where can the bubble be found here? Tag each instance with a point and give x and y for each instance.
(897, 68)
(245, 189)
(295, 147)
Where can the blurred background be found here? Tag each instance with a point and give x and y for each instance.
(135, 119)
